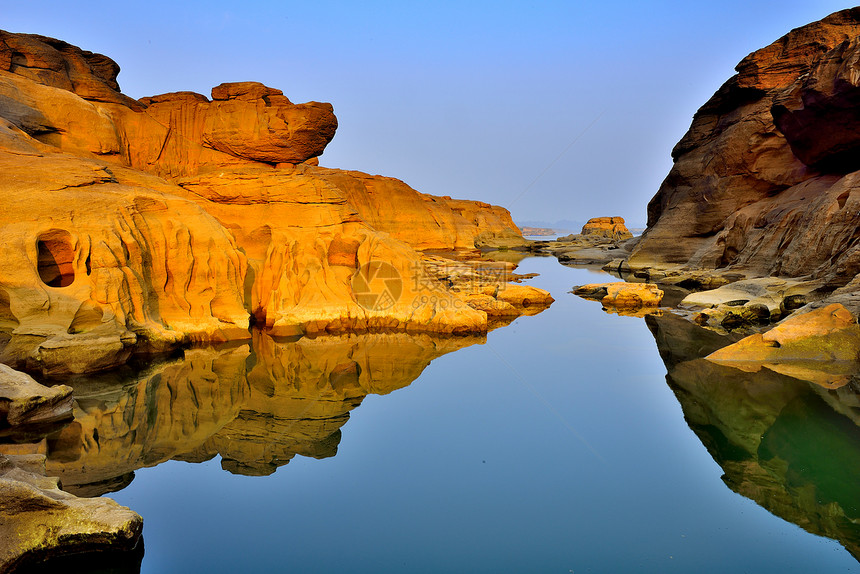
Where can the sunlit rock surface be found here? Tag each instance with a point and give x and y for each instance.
(819, 346)
(610, 227)
(141, 225)
(38, 521)
(622, 295)
(790, 445)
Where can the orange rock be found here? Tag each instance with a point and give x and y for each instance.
(113, 257)
(821, 346)
(246, 120)
(97, 264)
(611, 227)
(55, 63)
(621, 294)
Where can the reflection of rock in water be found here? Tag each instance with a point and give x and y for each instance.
(791, 446)
(255, 407)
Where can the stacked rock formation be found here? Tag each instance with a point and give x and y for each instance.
(130, 225)
(610, 227)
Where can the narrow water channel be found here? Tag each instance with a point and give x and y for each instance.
(555, 445)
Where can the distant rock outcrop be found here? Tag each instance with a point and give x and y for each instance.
(609, 227)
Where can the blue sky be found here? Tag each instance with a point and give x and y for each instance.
(556, 110)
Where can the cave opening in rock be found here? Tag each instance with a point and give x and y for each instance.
(56, 253)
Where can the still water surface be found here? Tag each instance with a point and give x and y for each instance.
(554, 446)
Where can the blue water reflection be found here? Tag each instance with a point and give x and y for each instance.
(555, 446)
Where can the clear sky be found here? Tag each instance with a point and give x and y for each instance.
(556, 110)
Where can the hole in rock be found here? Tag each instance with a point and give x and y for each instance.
(56, 254)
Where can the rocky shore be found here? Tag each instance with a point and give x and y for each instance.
(182, 218)
(755, 230)
(130, 228)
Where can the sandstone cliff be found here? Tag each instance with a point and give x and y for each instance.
(130, 225)
(764, 181)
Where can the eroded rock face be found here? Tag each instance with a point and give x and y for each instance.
(761, 197)
(610, 227)
(246, 120)
(113, 256)
(99, 261)
(55, 63)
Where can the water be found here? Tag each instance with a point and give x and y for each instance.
(554, 446)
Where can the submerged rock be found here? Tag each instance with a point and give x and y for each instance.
(621, 295)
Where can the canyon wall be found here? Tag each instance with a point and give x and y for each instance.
(765, 180)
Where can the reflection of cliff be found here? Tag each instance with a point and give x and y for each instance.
(257, 407)
(789, 445)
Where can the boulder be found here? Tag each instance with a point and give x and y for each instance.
(610, 227)
(821, 346)
(621, 294)
(23, 401)
(38, 521)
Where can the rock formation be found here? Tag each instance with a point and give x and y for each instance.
(602, 241)
(610, 227)
(621, 295)
(182, 218)
(38, 521)
(763, 182)
(24, 402)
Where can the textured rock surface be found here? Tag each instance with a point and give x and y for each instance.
(610, 227)
(246, 120)
(23, 401)
(820, 346)
(115, 257)
(738, 196)
(102, 260)
(39, 521)
(622, 295)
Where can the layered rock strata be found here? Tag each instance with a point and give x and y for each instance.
(764, 182)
